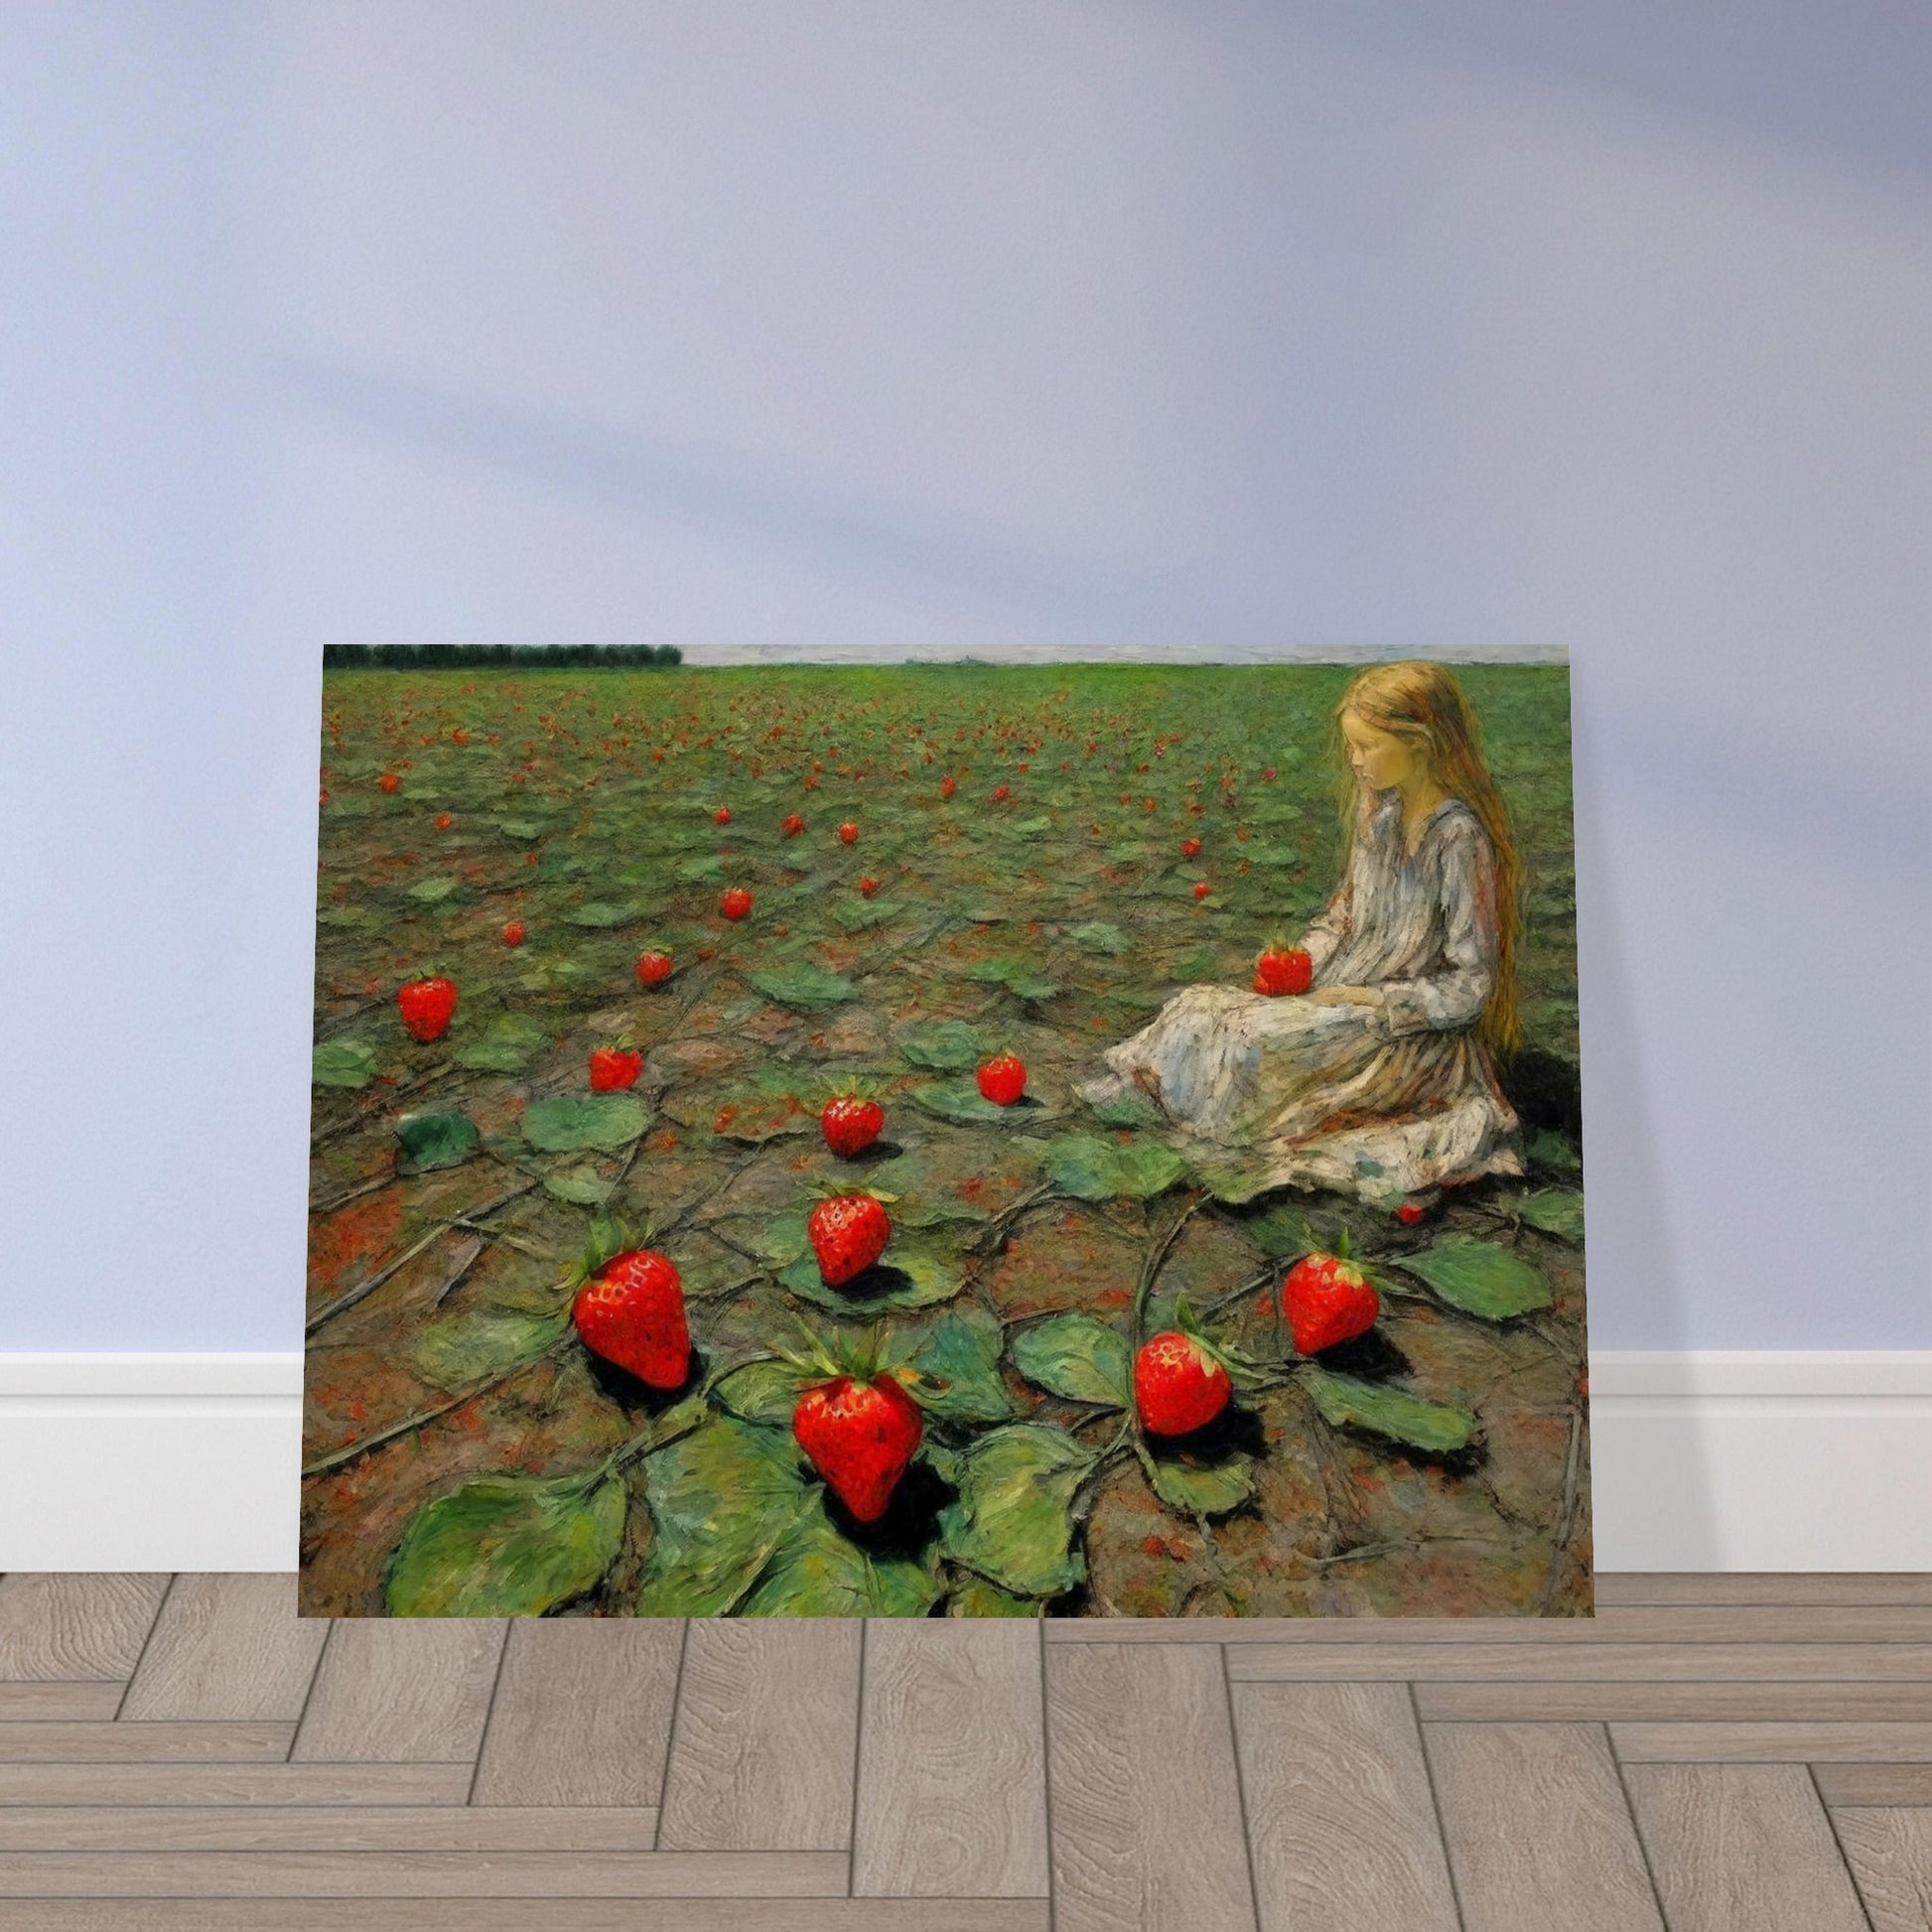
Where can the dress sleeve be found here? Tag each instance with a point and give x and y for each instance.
(1327, 930)
(1454, 995)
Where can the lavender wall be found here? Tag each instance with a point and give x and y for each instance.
(912, 327)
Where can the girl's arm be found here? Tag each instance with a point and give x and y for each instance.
(1327, 930)
(1454, 996)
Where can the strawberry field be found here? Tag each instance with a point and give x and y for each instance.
(931, 867)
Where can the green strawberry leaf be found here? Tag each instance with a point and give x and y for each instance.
(519, 831)
(858, 914)
(506, 1545)
(1202, 1488)
(816, 1572)
(955, 1366)
(1284, 1233)
(603, 915)
(1091, 1169)
(343, 1064)
(975, 1597)
(571, 1122)
(1556, 1210)
(1229, 1182)
(949, 1046)
(720, 1501)
(458, 1349)
(1130, 1109)
(432, 892)
(765, 1392)
(1011, 1520)
(582, 1185)
(1100, 937)
(704, 865)
(1478, 1277)
(346, 918)
(437, 1139)
(908, 1275)
(961, 1101)
(1343, 1400)
(507, 1045)
(1075, 1357)
(802, 985)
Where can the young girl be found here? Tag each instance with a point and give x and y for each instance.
(1380, 1081)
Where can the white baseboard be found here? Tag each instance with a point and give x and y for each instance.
(1702, 1462)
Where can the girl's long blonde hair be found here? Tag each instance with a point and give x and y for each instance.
(1423, 704)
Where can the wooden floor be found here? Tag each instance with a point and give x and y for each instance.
(1708, 1754)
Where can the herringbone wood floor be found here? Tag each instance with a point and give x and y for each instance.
(1709, 1755)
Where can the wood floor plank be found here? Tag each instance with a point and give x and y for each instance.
(1890, 1855)
(1340, 1816)
(582, 1713)
(422, 1874)
(401, 1691)
(952, 1769)
(326, 1828)
(1873, 1784)
(515, 1915)
(47, 1700)
(233, 1784)
(1618, 1589)
(74, 1624)
(1739, 1847)
(1539, 1834)
(1773, 1744)
(1505, 1663)
(156, 1744)
(1673, 1703)
(1145, 1792)
(1642, 1623)
(764, 1736)
(227, 1646)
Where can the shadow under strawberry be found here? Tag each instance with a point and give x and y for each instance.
(1237, 1430)
(876, 1154)
(1371, 1357)
(635, 1395)
(910, 1523)
(874, 1286)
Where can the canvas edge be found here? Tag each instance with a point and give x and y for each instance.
(1702, 1460)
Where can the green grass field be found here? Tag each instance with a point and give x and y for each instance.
(469, 1456)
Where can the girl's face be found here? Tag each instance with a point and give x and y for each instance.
(1379, 757)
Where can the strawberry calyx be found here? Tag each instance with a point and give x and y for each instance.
(611, 1235)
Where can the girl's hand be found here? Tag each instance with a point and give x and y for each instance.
(1351, 995)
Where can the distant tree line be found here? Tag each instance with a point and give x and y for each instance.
(520, 657)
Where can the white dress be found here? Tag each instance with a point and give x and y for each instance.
(1379, 1102)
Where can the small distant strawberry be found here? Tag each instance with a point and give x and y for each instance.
(1002, 792)
(1281, 969)
(792, 826)
(630, 1311)
(324, 797)
(1200, 888)
(613, 1069)
(653, 968)
(1177, 1385)
(1410, 1212)
(514, 933)
(947, 786)
(868, 887)
(848, 833)
(444, 821)
(1190, 848)
(1003, 1078)
(458, 736)
(848, 1234)
(736, 903)
(426, 1006)
(1269, 775)
(850, 1123)
(388, 782)
(723, 814)
(860, 1436)
(1327, 1299)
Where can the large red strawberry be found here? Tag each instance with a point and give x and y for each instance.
(859, 1436)
(1327, 1299)
(1003, 1078)
(613, 1069)
(426, 1006)
(850, 1123)
(653, 967)
(632, 1312)
(848, 1234)
(1177, 1385)
(735, 903)
(1283, 969)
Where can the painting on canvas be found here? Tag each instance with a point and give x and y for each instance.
(965, 1137)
